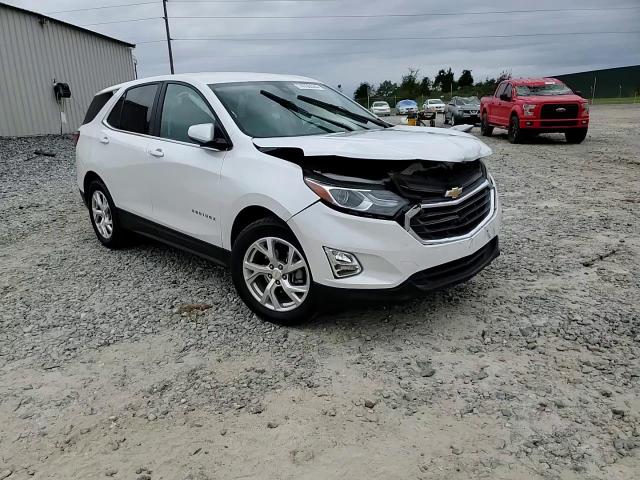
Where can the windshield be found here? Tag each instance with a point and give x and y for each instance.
(408, 103)
(435, 102)
(290, 109)
(542, 90)
(470, 100)
(380, 104)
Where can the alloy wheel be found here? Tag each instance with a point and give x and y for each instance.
(276, 274)
(101, 212)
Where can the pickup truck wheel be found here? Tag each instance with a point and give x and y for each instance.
(271, 273)
(576, 135)
(485, 129)
(515, 134)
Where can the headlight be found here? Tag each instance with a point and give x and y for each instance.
(366, 201)
(528, 109)
(585, 107)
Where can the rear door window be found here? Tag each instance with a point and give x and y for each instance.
(96, 105)
(133, 110)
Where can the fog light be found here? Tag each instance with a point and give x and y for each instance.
(343, 264)
(584, 122)
(529, 124)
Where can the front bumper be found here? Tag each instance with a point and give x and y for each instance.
(388, 253)
(467, 116)
(432, 279)
(553, 125)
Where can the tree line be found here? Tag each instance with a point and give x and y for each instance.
(413, 86)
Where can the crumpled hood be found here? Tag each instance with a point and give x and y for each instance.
(395, 143)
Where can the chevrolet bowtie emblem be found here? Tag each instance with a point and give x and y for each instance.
(454, 193)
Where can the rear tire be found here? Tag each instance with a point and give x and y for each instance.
(270, 289)
(515, 133)
(576, 135)
(485, 129)
(104, 216)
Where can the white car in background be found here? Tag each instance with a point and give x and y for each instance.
(434, 104)
(306, 195)
(382, 109)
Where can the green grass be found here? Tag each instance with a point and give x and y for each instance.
(616, 100)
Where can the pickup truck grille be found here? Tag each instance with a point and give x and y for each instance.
(559, 110)
(454, 218)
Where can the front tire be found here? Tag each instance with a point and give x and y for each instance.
(515, 134)
(576, 135)
(485, 129)
(271, 273)
(104, 216)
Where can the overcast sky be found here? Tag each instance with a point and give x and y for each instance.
(349, 62)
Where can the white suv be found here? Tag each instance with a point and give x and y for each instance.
(304, 193)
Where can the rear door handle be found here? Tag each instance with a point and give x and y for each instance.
(104, 139)
(157, 152)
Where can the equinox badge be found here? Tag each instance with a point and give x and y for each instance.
(454, 193)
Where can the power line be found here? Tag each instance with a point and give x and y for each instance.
(382, 15)
(323, 39)
(103, 7)
(120, 21)
(390, 15)
(252, 1)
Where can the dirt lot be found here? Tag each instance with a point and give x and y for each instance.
(108, 367)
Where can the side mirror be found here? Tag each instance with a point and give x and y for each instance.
(205, 135)
(578, 92)
(505, 98)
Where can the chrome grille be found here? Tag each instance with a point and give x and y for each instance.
(446, 220)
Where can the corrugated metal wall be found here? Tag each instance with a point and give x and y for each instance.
(33, 54)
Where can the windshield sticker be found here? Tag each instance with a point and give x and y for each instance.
(308, 86)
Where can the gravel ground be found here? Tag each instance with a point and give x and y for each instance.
(143, 364)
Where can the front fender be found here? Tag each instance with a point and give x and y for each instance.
(517, 109)
(273, 184)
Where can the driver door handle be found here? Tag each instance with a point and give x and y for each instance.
(157, 152)
(104, 139)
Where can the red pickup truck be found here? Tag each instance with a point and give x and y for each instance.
(528, 106)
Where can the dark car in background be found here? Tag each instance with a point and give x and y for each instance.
(462, 110)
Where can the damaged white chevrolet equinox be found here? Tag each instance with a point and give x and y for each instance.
(305, 194)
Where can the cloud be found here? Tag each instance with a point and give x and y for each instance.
(350, 61)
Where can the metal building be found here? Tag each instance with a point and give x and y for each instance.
(36, 53)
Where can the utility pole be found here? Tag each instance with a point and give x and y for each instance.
(166, 24)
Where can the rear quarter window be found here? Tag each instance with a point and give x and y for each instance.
(96, 105)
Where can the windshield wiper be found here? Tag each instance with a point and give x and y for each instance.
(289, 105)
(330, 107)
